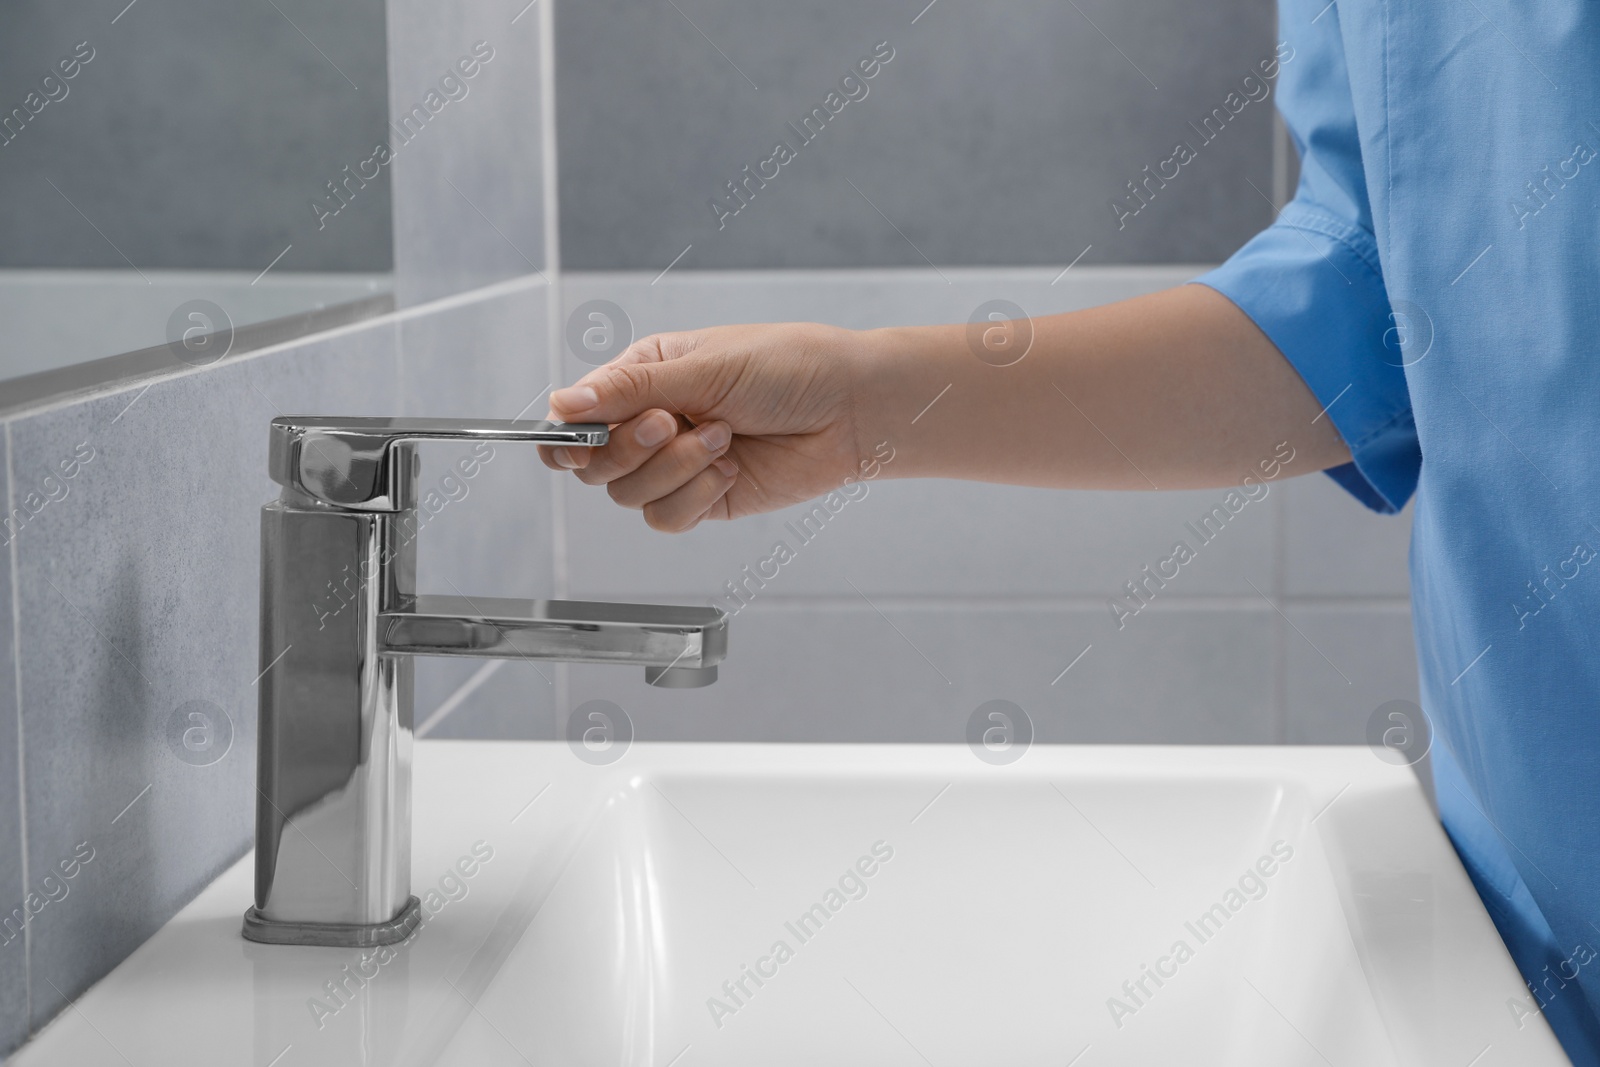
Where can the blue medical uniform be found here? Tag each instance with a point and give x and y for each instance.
(1436, 282)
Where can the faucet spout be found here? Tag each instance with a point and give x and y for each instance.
(676, 645)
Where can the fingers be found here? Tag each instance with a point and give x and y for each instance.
(650, 374)
(675, 475)
(561, 458)
(673, 467)
(631, 443)
(685, 507)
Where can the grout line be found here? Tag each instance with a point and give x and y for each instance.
(1163, 274)
(550, 175)
(555, 334)
(1171, 605)
(401, 392)
(456, 699)
(22, 765)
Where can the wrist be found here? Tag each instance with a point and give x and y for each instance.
(899, 378)
(877, 372)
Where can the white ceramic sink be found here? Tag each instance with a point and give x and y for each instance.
(979, 915)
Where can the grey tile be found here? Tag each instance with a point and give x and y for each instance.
(138, 594)
(468, 188)
(856, 299)
(1334, 546)
(280, 122)
(913, 674)
(1344, 662)
(996, 135)
(13, 883)
(515, 702)
(492, 533)
(927, 538)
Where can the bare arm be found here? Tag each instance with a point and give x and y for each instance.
(1178, 389)
(1174, 390)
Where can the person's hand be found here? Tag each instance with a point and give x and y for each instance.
(719, 423)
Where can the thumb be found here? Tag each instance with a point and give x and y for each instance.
(657, 372)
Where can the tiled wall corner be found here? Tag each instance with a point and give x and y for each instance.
(13, 871)
(468, 200)
(137, 596)
(492, 532)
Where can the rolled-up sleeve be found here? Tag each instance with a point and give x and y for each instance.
(1313, 281)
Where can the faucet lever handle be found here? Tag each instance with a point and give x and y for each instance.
(359, 464)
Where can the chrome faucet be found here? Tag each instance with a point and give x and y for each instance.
(333, 788)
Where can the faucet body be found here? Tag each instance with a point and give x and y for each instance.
(341, 623)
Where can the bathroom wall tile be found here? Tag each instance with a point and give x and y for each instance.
(514, 702)
(1345, 661)
(998, 134)
(13, 884)
(857, 299)
(138, 596)
(493, 534)
(885, 671)
(280, 120)
(927, 538)
(1334, 546)
(468, 197)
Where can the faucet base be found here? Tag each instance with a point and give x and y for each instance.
(334, 935)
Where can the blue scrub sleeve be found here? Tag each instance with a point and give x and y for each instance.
(1313, 284)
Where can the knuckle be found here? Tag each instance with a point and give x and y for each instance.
(626, 382)
(652, 347)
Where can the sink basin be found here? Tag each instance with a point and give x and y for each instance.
(696, 904)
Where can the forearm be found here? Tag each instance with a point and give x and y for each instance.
(1174, 390)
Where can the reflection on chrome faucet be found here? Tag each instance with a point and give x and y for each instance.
(347, 983)
(452, 487)
(333, 807)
